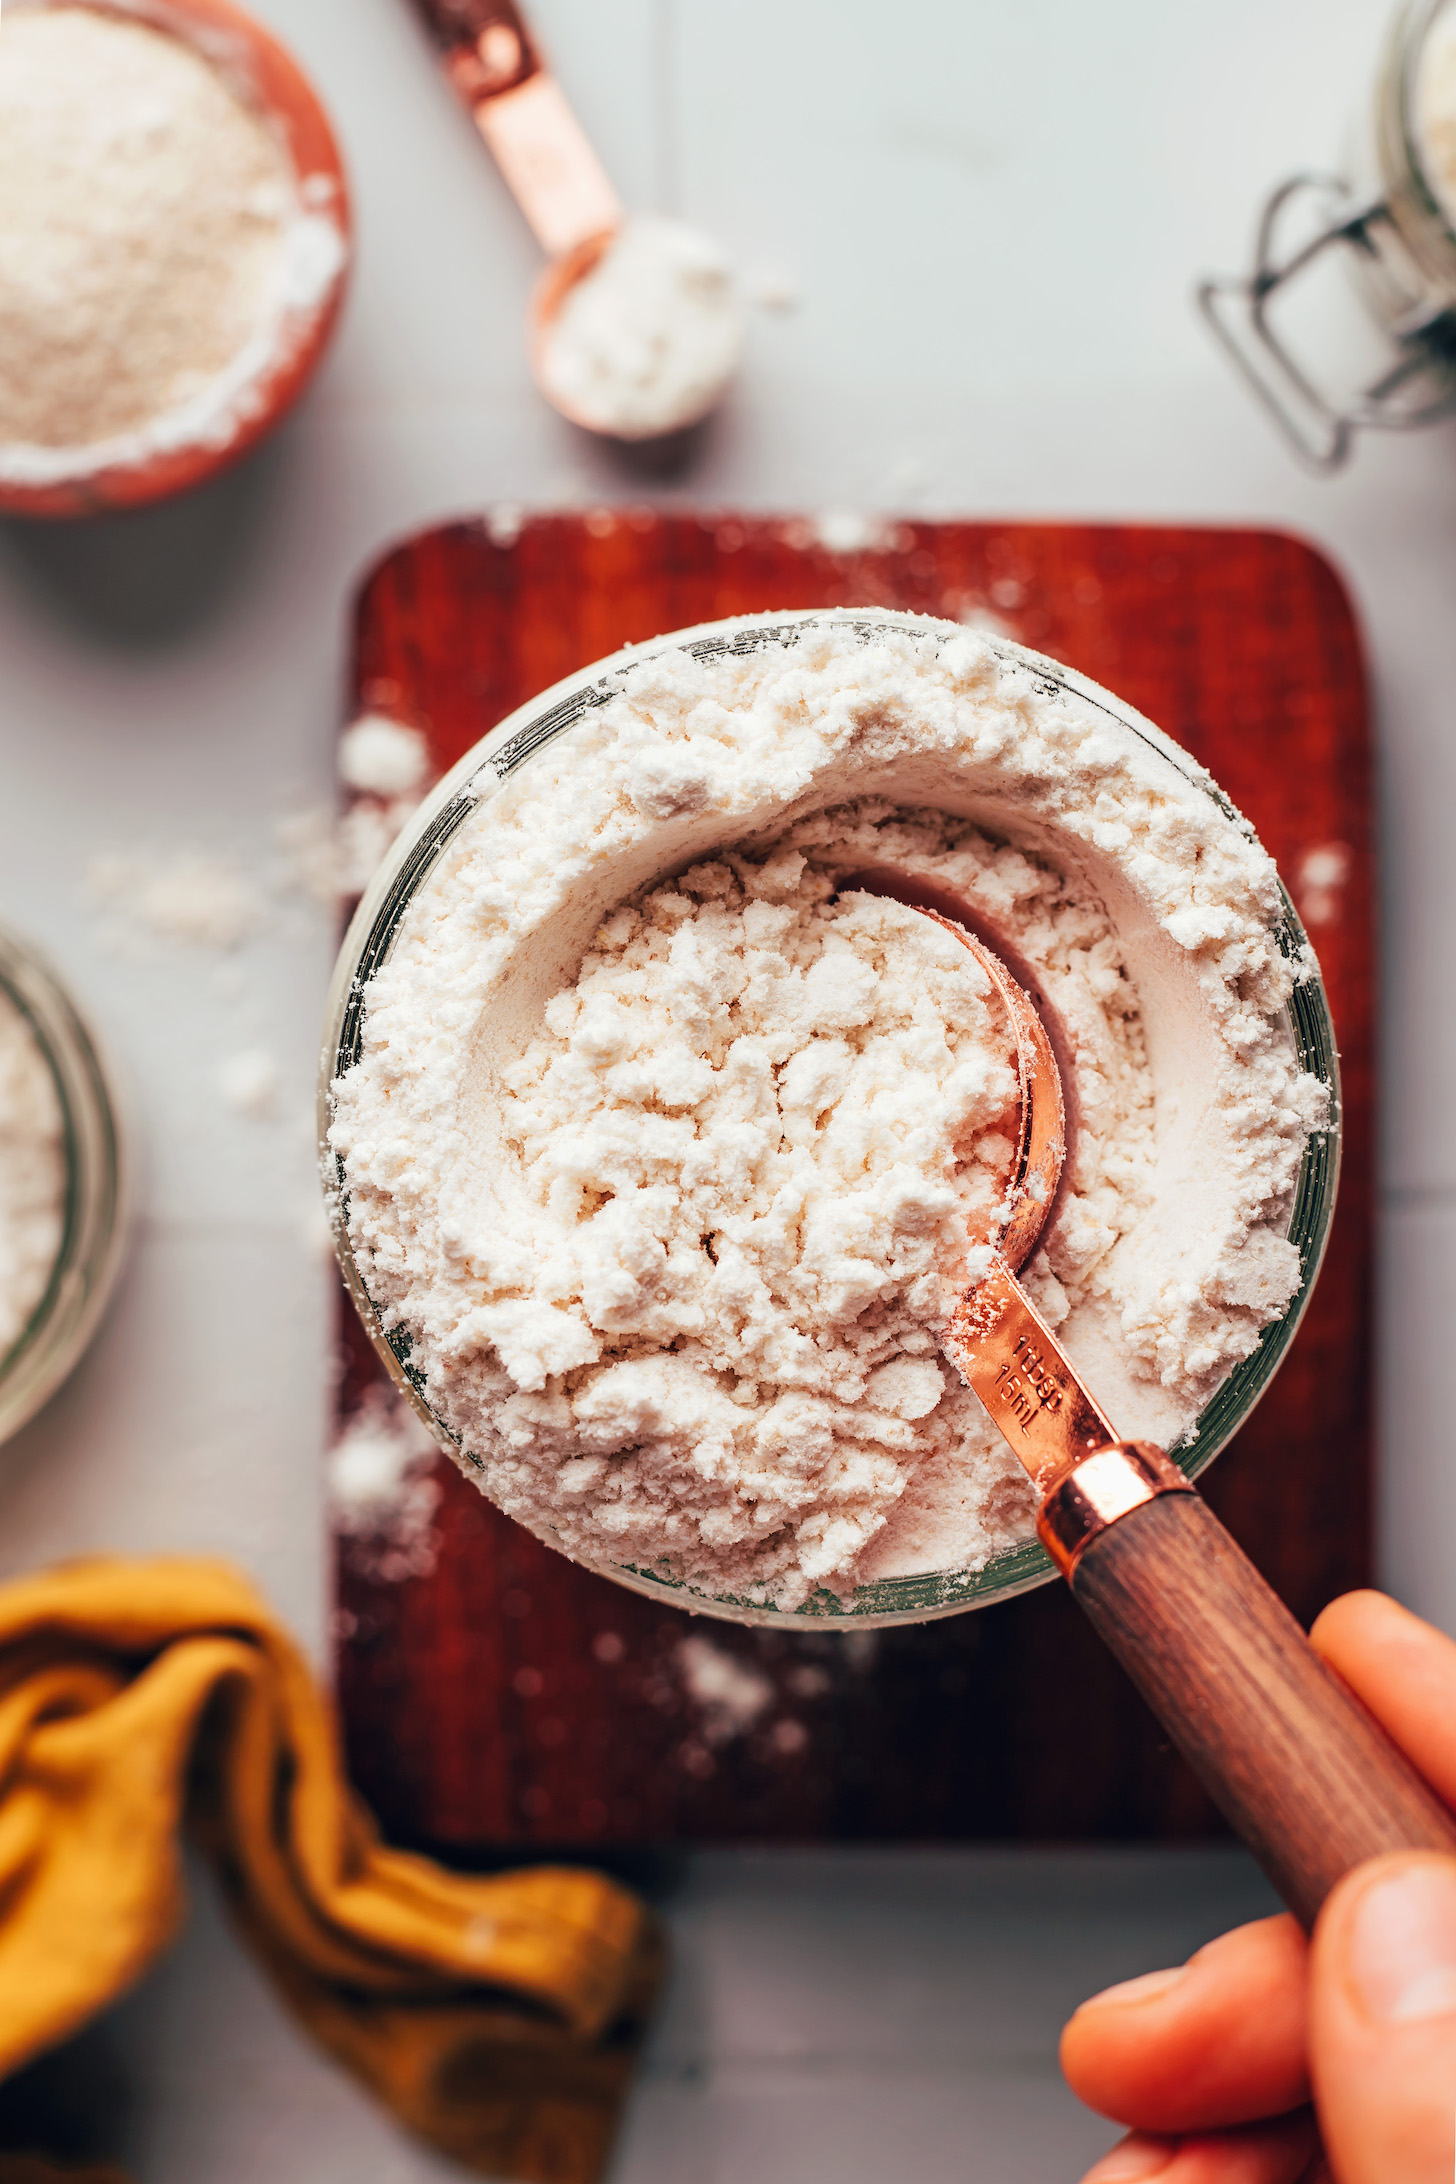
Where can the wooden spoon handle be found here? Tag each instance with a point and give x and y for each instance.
(1298, 1766)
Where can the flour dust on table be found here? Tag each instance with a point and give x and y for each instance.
(669, 1148)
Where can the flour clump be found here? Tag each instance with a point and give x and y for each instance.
(647, 341)
(759, 1135)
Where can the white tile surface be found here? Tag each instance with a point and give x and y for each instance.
(1417, 1485)
(854, 2014)
(993, 217)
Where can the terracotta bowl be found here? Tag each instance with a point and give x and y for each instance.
(265, 74)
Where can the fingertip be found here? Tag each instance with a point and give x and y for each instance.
(1094, 2037)
(1270, 1951)
(1355, 1617)
(1282, 2151)
(1134, 2160)
(1383, 2018)
(1147, 1987)
(1387, 1937)
(1404, 1671)
(1215, 2042)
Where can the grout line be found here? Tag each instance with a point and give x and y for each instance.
(664, 96)
(709, 2072)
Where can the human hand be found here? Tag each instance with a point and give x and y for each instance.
(1267, 2059)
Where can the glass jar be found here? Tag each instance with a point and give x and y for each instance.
(559, 712)
(85, 1267)
(1397, 228)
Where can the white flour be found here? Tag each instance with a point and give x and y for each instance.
(382, 1496)
(382, 757)
(1436, 112)
(384, 765)
(662, 1271)
(730, 1695)
(249, 1082)
(154, 252)
(150, 897)
(191, 898)
(649, 340)
(32, 1174)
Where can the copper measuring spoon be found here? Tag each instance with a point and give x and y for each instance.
(1290, 1756)
(541, 149)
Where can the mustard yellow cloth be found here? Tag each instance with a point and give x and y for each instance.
(496, 2016)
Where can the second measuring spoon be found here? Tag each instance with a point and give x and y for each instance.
(634, 328)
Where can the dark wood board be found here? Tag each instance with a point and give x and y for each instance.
(509, 1698)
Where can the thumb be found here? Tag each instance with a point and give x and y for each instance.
(1382, 2021)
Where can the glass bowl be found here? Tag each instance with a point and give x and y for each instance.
(85, 1267)
(517, 739)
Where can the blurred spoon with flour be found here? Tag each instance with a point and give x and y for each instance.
(635, 325)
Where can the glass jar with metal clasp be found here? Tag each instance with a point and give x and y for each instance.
(1395, 220)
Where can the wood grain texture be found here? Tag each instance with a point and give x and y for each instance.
(511, 1698)
(1287, 1753)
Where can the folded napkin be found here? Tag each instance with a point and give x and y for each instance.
(496, 2016)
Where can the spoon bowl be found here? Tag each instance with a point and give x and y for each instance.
(495, 63)
(562, 274)
(1041, 1148)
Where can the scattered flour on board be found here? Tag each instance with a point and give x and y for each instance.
(382, 1496)
(385, 767)
(731, 1695)
(156, 254)
(32, 1174)
(382, 757)
(621, 1221)
(648, 340)
(843, 531)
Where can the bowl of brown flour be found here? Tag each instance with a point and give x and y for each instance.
(654, 1148)
(174, 245)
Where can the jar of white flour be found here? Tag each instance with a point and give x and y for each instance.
(655, 1145)
(1392, 216)
(62, 1183)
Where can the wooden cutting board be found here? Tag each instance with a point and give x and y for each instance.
(507, 1697)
